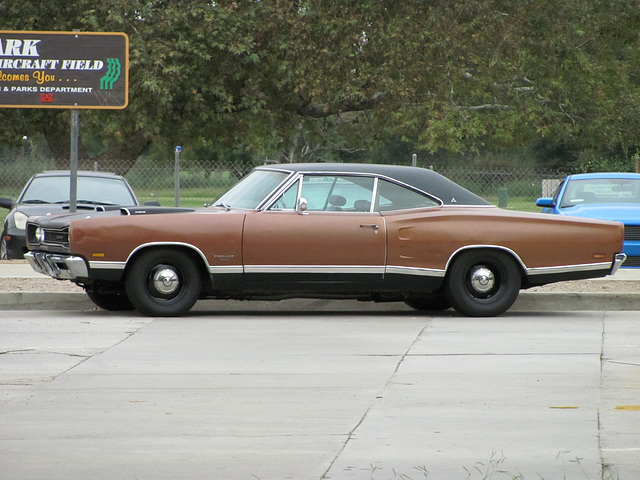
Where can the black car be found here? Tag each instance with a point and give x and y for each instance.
(48, 193)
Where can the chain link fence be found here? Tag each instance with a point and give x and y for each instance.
(203, 181)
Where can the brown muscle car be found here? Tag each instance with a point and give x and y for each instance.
(367, 232)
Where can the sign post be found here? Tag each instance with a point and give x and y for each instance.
(64, 70)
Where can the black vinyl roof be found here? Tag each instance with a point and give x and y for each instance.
(421, 178)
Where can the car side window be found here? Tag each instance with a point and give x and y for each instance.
(392, 196)
(288, 200)
(338, 193)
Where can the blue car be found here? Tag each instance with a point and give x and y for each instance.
(607, 196)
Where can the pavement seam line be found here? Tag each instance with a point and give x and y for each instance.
(376, 400)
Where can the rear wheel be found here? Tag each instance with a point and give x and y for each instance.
(163, 283)
(483, 283)
(428, 302)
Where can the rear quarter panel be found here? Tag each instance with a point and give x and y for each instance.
(428, 238)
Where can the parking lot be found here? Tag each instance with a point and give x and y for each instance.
(310, 391)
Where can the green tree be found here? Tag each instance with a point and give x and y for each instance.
(453, 75)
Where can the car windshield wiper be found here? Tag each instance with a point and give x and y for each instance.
(87, 202)
(93, 202)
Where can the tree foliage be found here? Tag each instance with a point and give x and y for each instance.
(453, 75)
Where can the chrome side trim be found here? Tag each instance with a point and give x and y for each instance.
(217, 269)
(62, 267)
(370, 269)
(424, 272)
(568, 268)
(269, 200)
(560, 269)
(494, 247)
(159, 244)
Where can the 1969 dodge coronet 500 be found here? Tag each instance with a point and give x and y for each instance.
(367, 232)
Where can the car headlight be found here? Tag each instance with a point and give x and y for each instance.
(20, 220)
(39, 235)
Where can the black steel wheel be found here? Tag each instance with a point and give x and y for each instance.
(483, 283)
(114, 302)
(163, 283)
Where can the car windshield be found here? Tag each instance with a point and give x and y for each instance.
(251, 190)
(601, 190)
(95, 190)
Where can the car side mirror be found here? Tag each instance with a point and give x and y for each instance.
(545, 202)
(6, 203)
(302, 206)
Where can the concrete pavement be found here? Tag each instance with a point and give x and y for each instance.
(304, 395)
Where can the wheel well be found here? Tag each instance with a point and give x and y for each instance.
(195, 256)
(502, 250)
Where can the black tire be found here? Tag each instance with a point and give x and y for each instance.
(163, 283)
(428, 302)
(4, 250)
(483, 283)
(113, 302)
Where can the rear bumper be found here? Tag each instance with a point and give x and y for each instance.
(617, 262)
(62, 267)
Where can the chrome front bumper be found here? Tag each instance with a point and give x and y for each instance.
(62, 267)
(617, 262)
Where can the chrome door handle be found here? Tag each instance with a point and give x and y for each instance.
(372, 225)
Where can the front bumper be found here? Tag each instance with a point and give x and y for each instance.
(62, 267)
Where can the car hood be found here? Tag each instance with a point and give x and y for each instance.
(34, 209)
(63, 220)
(628, 214)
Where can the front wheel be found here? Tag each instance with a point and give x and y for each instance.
(163, 283)
(483, 283)
(4, 249)
(113, 302)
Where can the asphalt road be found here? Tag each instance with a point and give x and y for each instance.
(311, 393)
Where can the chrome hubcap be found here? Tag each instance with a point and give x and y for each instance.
(482, 279)
(166, 281)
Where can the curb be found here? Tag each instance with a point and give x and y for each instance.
(45, 301)
(545, 302)
(527, 301)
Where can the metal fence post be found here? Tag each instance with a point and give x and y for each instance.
(503, 197)
(176, 174)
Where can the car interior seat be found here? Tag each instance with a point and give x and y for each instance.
(362, 206)
(336, 202)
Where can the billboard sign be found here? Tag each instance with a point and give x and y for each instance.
(64, 70)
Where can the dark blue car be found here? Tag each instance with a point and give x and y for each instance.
(607, 196)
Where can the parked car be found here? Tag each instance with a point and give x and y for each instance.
(48, 193)
(366, 232)
(607, 196)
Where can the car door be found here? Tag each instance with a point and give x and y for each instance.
(338, 244)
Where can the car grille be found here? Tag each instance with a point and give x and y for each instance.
(57, 237)
(52, 237)
(631, 262)
(632, 232)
